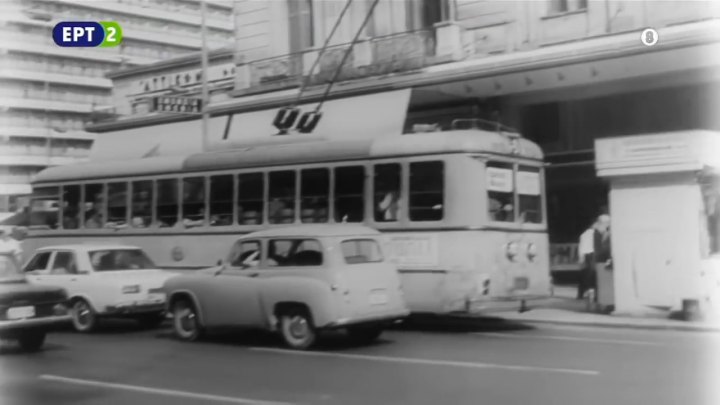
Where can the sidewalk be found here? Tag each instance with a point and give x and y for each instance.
(565, 309)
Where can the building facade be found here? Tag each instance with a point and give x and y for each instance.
(563, 72)
(50, 93)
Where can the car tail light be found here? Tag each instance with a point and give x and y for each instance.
(131, 289)
(532, 251)
(511, 250)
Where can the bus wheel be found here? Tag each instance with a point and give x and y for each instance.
(84, 318)
(296, 328)
(365, 334)
(185, 321)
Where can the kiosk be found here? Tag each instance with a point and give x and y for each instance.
(664, 210)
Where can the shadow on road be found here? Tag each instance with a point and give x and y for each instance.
(459, 324)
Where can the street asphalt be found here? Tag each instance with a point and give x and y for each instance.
(487, 363)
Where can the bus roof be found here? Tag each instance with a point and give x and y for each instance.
(312, 151)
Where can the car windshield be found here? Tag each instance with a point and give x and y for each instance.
(120, 259)
(9, 268)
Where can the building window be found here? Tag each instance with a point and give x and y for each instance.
(566, 6)
(424, 14)
(300, 24)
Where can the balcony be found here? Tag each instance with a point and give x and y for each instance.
(397, 53)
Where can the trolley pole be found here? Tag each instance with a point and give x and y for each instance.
(205, 89)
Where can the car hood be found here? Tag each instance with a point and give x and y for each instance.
(20, 292)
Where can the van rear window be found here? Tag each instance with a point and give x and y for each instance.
(358, 251)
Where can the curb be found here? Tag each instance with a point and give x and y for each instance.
(623, 325)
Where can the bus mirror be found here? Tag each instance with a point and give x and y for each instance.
(309, 121)
(285, 118)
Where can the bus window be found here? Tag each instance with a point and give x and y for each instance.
(167, 202)
(314, 195)
(427, 189)
(193, 209)
(221, 200)
(281, 207)
(529, 195)
(251, 195)
(44, 207)
(499, 183)
(94, 206)
(387, 192)
(70, 207)
(117, 203)
(350, 194)
(141, 214)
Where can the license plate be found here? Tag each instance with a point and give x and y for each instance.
(20, 312)
(378, 298)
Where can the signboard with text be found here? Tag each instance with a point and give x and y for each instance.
(181, 105)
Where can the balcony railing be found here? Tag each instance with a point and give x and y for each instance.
(394, 53)
(9, 150)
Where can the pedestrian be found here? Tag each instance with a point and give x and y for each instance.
(9, 244)
(586, 248)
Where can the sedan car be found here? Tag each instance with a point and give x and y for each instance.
(296, 281)
(28, 312)
(103, 281)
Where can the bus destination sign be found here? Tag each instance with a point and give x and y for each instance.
(183, 105)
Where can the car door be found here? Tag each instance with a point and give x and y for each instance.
(232, 297)
(64, 271)
(37, 268)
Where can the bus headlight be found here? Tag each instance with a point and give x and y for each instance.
(511, 250)
(532, 251)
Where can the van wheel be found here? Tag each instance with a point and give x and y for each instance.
(297, 330)
(32, 341)
(365, 334)
(185, 321)
(84, 318)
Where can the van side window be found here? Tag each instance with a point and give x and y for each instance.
(251, 195)
(358, 251)
(387, 192)
(245, 253)
(294, 252)
(167, 202)
(64, 263)
(349, 194)
(315, 193)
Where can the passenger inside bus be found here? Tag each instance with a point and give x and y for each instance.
(500, 209)
(390, 206)
(195, 220)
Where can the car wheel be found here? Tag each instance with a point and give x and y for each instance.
(185, 321)
(365, 334)
(297, 330)
(84, 318)
(151, 321)
(32, 342)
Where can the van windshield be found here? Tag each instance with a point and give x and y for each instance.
(358, 251)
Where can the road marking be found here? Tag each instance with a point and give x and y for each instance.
(571, 338)
(430, 362)
(159, 391)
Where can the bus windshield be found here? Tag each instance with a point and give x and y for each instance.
(514, 192)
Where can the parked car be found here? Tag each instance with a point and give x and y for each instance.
(103, 281)
(296, 281)
(28, 312)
